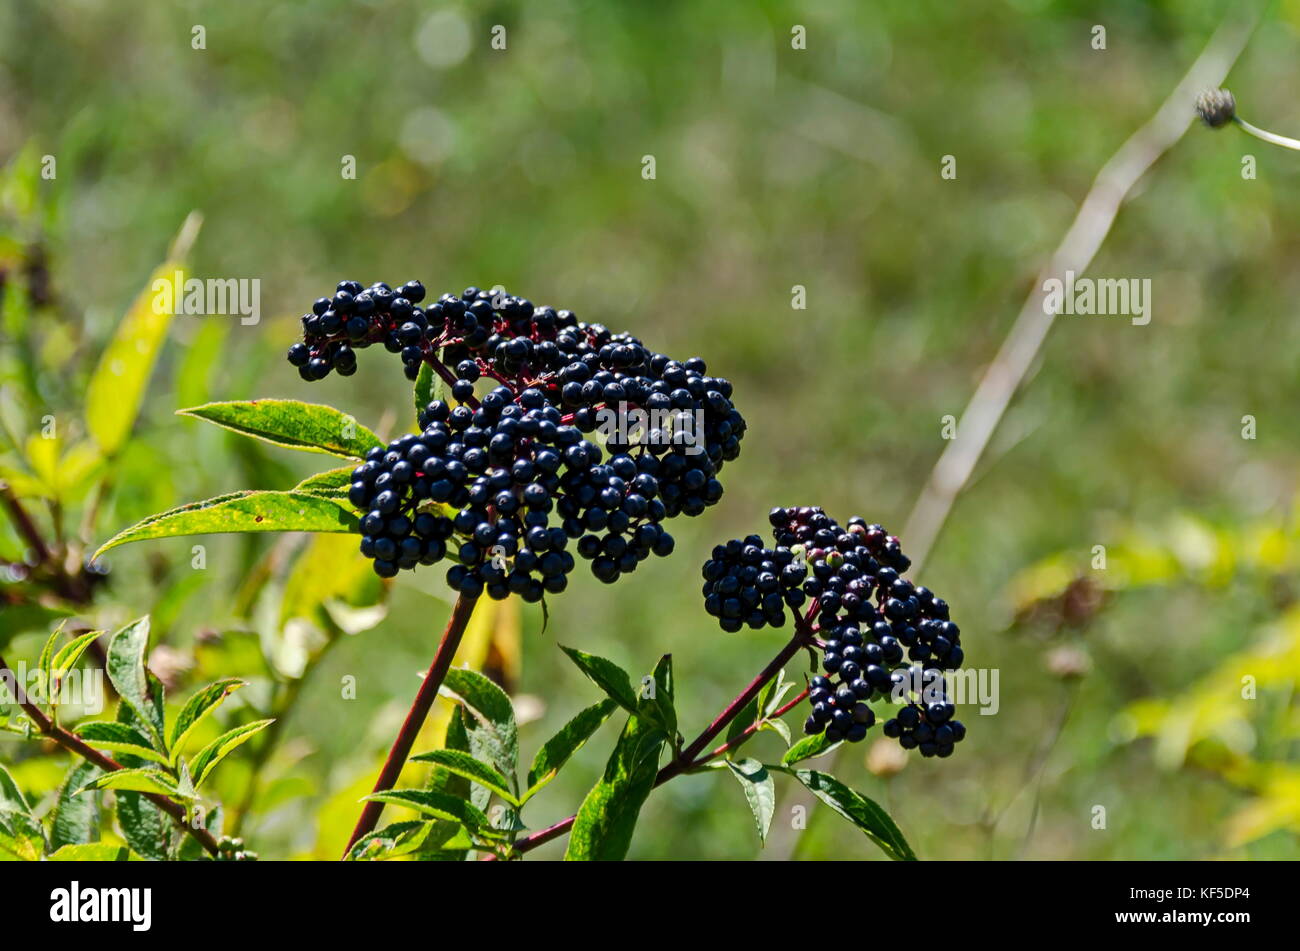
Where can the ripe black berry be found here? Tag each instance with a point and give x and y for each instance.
(509, 471)
(863, 613)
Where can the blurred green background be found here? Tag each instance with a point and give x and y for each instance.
(775, 167)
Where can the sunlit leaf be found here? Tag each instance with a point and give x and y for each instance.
(309, 426)
(250, 511)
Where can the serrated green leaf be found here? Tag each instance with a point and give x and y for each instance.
(760, 792)
(659, 707)
(92, 852)
(411, 837)
(248, 511)
(312, 427)
(137, 688)
(602, 829)
(118, 738)
(206, 759)
(147, 830)
(498, 734)
(436, 804)
(46, 661)
(807, 748)
(463, 764)
(21, 833)
(608, 676)
(116, 388)
(858, 809)
(333, 483)
(773, 693)
(146, 779)
(203, 702)
(779, 727)
(458, 738)
(571, 737)
(75, 819)
(67, 658)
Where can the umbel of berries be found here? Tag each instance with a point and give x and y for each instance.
(880, 635)
(502, 479)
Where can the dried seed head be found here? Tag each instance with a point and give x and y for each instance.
(1216, 107)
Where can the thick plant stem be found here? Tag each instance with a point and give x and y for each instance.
(75, 744)
(732, 710)
(687, 758)
(460, 615)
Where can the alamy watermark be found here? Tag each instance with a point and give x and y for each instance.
(233, 297)
(634, 426)
(80, 687)
(1104, 297)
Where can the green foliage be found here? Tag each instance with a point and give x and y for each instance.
(858, 809)
(602, 830)
(556, 751)
(759, 789)
(291, 424)
(252, 511)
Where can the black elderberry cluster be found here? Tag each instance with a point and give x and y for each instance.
(502, 481)
(869, 619)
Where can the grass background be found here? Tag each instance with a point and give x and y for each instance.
(775, 167)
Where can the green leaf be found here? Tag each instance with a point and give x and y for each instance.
(96, 852)
(743, 721)
(773, 693)
(436, 804)
(807, 748)
(118, 738)
(332, 483)
(146, 779)
(660, 705)
(206, 759)
(424, 387)
(441, 780)
(779, 727)
(116, 388)
(144, 826)
(463, 764)
(248, 511)
(556, 751)
(188, 848)
(67, 658)
(46, 660)
(75, 819)
(438, 838)
(858, 809)
(21, 833)
(760, 792)
(603, 827)
(196, 708)
(499, 734)
(138, 688)
(608, 676)
(294, 425)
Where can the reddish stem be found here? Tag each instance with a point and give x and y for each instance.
(751, 730)
(74, 743)
(686, 759)
(460, 615)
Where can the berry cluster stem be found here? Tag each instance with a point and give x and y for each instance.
(75, 744)
(456, 624)
(686, 760)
